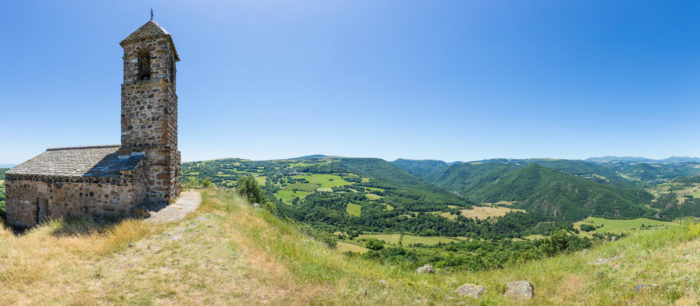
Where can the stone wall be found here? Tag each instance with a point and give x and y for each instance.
(71, 196)
(150, 116)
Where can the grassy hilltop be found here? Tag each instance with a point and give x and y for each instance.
(230, 252)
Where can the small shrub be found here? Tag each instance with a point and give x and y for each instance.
(692, 231)
(206, 183)
(374, 244)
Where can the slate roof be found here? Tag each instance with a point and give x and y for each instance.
(149, 30)
(96, 161)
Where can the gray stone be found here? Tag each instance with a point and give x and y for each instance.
(520, 290)
(470, 290)
(613, 238)
(256, 205)
(585, 251)
(425, 269)
(601, 261)
(644, 287)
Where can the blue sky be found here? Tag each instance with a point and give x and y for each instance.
(452, 80)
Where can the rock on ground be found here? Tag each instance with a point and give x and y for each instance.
(520, 290)
(644, 287)
(601, 261)
(426, 269)
(470, 290)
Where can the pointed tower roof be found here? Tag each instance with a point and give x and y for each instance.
(149, 30)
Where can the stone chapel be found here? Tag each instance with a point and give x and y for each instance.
(111, 180)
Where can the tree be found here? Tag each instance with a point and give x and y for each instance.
(249, 189)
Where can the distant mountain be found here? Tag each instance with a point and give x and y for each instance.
(7, 166)
(463, 177)
(420, 168)
(673, 159)
(311, 156)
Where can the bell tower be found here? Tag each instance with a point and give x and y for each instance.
(149, 109)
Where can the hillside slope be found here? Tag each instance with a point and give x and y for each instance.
(557, 194)
(420, 168)
(229, 252)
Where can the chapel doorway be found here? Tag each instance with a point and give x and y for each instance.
(43, 210)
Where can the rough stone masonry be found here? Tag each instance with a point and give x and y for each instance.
(110, 181)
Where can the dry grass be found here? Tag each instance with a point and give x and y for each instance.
(483, 212)
(349, 247)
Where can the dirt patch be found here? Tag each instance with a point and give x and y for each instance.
(188, 202)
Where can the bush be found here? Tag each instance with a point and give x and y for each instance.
(206, 183)
(555, 244)
(587, 227)
(374, 244)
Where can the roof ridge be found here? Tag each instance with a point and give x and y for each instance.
(83, 148)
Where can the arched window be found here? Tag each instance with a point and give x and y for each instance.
(144, 65)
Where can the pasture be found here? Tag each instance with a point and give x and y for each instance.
(618, 226)
(354, 209)
(408, 240)
(287, 196)
(483, 212)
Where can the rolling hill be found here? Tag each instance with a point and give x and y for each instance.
(561, 195)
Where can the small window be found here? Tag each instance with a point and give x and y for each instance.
(144, 65)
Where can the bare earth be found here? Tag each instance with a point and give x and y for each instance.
(187, 202)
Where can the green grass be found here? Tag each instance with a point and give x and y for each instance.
(354, 209)
(388, 238)
(288, 195)
(410, 239)
(325, 180)
(261, 180)
(617, 226)
(372, 197)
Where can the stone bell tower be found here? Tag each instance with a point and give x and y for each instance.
(149, 109)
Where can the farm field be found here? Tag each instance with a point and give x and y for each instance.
(324, 180)
(354, 209)
(483, 212)
(618, 226)
(287, 196)
(411, 239)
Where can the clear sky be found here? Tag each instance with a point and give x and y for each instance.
(451, 80)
